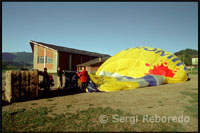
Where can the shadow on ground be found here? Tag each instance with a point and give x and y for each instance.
(42, 95)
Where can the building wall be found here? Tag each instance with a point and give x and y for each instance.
(194, 61)
(65, 64)
(55, 61)
(94, 68)
(35, 57)
(76, 59)
(66, 61)
(49, 52)
(91, 69)
(51, 67)
(63, 61)
(85, 58)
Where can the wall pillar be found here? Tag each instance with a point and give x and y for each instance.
(44, 57)
(70, 62)
(55, 61)
(35, 56)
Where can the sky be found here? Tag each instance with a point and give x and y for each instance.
(103, 27)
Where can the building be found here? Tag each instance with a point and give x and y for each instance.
(52, 57)
(195, 60)
(93, 65)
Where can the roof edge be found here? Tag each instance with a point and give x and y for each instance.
(87, 52)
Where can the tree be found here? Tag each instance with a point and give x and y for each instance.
(4, 66)
(185, 56)
(188, 60)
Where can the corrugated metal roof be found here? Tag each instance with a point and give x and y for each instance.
(94, 61)
(69, 50)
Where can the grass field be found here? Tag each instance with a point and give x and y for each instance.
(193, 70)
(192, 109)
(82, 112)
(42, 118)
(37, 120)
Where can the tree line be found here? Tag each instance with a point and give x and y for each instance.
(186, 55)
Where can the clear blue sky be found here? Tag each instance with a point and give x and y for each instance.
(104, 27)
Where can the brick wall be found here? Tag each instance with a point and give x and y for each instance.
(49, 53)
(61, 59)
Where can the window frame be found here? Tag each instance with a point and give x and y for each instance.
(39, 59)
(49, 58)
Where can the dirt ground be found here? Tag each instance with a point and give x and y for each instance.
(163, 100)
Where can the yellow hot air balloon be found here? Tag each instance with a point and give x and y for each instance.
(137, 64)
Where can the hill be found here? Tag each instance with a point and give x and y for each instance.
(185, 55)
(187, 51)
(17, 59)
(26, 58)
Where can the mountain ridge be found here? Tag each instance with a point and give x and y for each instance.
(26, 58)
(17, 58)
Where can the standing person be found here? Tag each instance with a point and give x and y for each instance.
(84, 78)
(59, 78)
(46, 81)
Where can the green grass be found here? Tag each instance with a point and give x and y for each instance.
(82, 121)
(193, 70)
(3, 71)
(192, 109)
(22, 120)
(14, 69)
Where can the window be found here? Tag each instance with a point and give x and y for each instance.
(41, 59)
(49, 60)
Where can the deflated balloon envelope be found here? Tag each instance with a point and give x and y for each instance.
(140, 62)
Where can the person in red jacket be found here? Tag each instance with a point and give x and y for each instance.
(84, 78)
